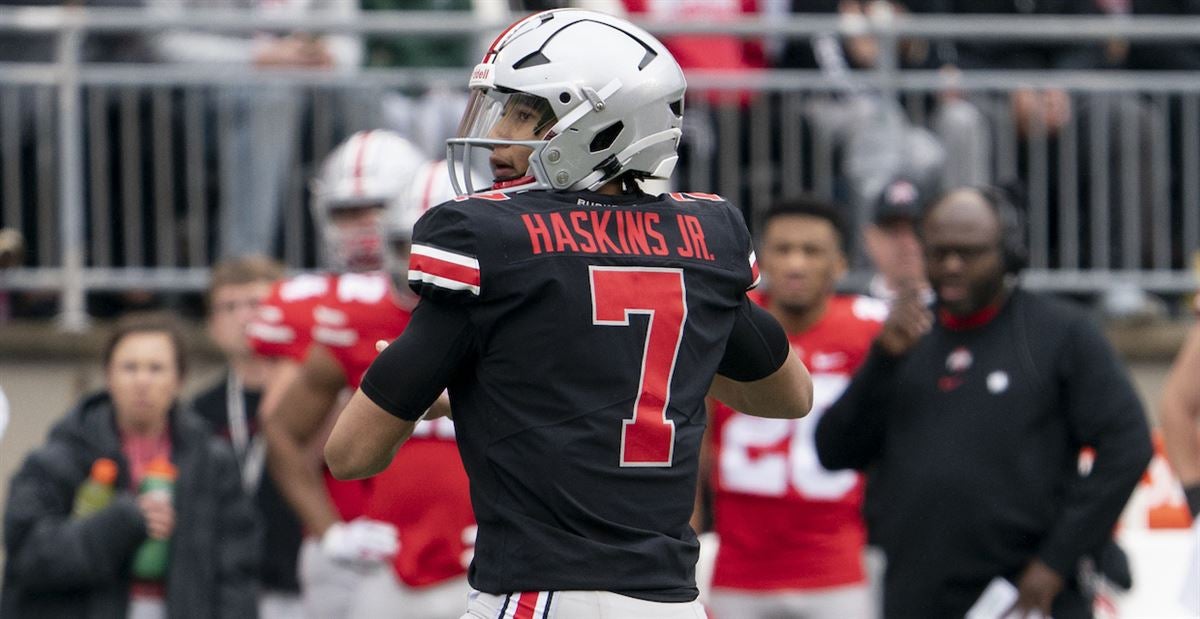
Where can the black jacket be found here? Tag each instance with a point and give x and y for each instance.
(59, 566)
(281, 540)
(975, 436)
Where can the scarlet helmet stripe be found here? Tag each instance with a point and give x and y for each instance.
(490, 55)
(359, 157)
(433, 172)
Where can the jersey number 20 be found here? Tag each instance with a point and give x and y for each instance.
(648, 439)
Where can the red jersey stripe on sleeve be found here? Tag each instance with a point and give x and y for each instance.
(444, 269)
(755, 276)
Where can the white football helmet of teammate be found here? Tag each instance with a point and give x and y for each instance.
(361, 182)
(430, 186)
(612, 115)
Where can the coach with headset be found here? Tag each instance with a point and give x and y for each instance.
(972, 416)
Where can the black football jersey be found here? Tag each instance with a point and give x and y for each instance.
(600, 323)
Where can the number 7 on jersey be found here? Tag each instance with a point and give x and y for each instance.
(648, 439)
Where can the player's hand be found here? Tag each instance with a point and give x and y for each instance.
(908, 321)
(1036, 590)
(361, 540)
(159, 515)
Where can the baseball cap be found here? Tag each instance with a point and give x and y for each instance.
(900, 199)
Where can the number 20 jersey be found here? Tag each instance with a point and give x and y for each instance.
(785, 522)
(599, 322)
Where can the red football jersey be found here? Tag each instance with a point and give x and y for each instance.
(424, 490)
(357, 310)
(784, 521)
(425, 493)
(282, 327)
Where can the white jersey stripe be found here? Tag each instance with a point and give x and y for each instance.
(442, 282)
(445, 256)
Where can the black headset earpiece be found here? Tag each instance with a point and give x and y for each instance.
(1012, 228)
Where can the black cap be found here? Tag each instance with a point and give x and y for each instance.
(900, 200)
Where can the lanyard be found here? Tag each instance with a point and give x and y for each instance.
(251, 452)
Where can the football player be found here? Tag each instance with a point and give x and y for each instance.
(370, 191)
(791, 533)
(578, 324)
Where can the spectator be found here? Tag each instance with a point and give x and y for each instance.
(704, 138)
(1147, 55)
(230, 406)
(263, 119)
(61, 565)
(974, 423)
(1179, 414)
(867, 133)
(578, 416)
(891, 242)
(791, 532)
(1014, 128)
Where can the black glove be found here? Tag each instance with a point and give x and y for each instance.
(1113, 563)
(1193, 499)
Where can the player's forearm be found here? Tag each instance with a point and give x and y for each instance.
(298, 480)
(364, 439)
(785, 394)
(290, 428)
(1181, 438)
(1179, 411)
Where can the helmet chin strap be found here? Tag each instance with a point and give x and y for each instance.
(513, 182)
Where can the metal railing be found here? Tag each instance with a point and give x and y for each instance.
(108, 167)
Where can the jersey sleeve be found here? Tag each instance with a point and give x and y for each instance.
(444, 265)
(280, 328)
(747, 244)
(412, 371)
(757, 345)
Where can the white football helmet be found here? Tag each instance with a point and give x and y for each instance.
(429, 186)
(615, 93)
(370, 169)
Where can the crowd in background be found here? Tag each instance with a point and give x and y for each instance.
(265, 137)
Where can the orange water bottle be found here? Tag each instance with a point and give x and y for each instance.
(95, 493)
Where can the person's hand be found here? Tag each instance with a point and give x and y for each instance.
(1036, 590)
(908, 320)
(294, 51)
(361, 540)
(1048, 109)
(159, 515)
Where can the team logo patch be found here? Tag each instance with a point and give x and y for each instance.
(997, 382)
(959, 360)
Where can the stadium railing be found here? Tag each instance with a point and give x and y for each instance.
(107, 168)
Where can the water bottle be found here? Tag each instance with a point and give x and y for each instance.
(150, 562)
(95, 493)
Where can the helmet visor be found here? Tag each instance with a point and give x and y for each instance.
(498, 119)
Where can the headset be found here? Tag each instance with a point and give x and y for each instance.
(1012, 226)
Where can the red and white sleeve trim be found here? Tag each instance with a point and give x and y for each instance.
(755, 276)
(444, 269)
